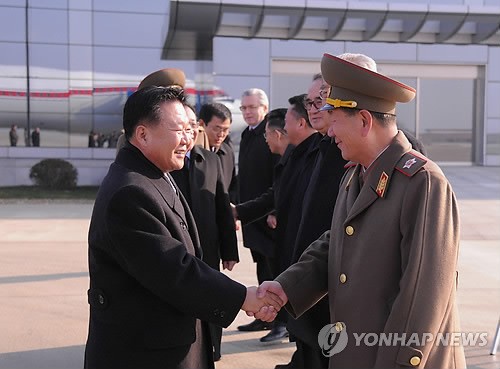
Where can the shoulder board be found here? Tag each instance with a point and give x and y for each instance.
(410, 163)
(349, 165)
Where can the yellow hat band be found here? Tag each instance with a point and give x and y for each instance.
(337, 103)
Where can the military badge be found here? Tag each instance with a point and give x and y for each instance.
(382, 184)
(409, 163)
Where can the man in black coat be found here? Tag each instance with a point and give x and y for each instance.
(216, 119)
(290, 182)
(35, 137)
(150, 292)
(200, 181)
(255, 175)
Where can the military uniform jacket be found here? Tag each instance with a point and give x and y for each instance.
(148, 284)
(209, 203)
(388, 263)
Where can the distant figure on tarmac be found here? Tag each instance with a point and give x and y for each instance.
(35, 137)
(13, 135)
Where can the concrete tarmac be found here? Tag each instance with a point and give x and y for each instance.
(44, 279)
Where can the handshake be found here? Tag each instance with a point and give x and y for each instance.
(265, 301)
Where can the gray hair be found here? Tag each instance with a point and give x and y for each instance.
(263, 100)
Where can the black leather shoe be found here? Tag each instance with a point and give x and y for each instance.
(277, 333)
(256, 325)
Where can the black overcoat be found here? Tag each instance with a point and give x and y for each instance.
(317, 212)
(148, 285)
(209, 203)
(255, 175)
(227, 160)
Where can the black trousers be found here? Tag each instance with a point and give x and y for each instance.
(264, 266)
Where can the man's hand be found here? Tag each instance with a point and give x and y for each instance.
(273, 287)
(229, 264)
(265, 307)
(235, 213)
(272, 222)
(237, 223)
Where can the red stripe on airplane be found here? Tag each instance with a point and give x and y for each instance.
(97, 90)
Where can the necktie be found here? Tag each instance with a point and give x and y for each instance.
(171, 183)
(361, 178)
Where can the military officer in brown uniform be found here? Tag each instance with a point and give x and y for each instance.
(389, 262)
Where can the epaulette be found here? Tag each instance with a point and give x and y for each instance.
(349, 165)
(410, 163)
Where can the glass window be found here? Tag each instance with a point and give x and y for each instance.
(406, 113)
(446, 118)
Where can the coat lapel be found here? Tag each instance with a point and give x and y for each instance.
(131, 157)
(359, 198)
(180, 206)
(170, 196)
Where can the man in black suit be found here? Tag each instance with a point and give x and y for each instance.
(200, 181)
(216, 119)
(150, 292)
(255, 175)
(290, 182)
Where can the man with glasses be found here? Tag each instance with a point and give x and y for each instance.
(216, 119)
(255, 175)
(291, 178)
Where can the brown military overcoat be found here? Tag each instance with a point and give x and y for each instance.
(389, 265)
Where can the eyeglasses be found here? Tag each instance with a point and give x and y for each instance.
(317, 103)
(217, 129)
(250, 107)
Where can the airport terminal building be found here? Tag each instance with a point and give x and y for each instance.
(68, 66)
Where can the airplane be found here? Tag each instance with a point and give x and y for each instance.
(78, 111)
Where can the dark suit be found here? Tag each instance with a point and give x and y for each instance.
(209, 203)
(291, 177)
(255, 175)
(227, 160)
(149, 290)
(201, 183)
(267, 203)
(317, 212)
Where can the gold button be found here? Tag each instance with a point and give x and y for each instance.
(349, 230)
(343, 278)
(338, 326)
(415, 360)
